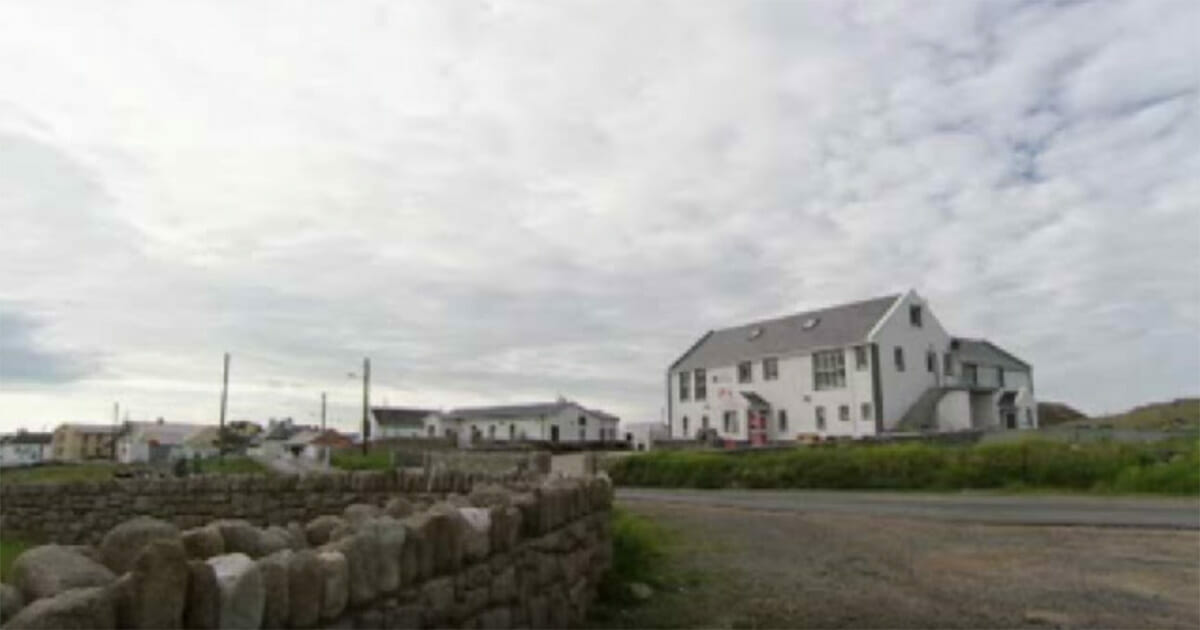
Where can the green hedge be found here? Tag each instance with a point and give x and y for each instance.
(1166, 467)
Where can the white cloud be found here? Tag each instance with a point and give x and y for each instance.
(509, 200)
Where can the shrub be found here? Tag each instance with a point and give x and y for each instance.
(638, 555)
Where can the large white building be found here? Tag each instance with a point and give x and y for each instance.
(560, 421)
(854, 370)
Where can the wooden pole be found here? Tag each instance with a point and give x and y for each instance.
(113, 437)
(366, 427)
(224, 404)
(322, 412)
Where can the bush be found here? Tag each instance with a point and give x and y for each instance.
(1167, 467)
(638, 555)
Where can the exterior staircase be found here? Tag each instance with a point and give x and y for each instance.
(921, 417)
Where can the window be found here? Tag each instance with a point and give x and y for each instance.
(492, 432)
(898, 353)
(683, 386)
(844, 413)
(931, 361)
(914, 315)
(703, 423)
(947, 364)
(582, 435)
(685, 426)
(866, 411)
(770, 369)
(512, 432)
(1000, 376)
(860, 357)
(583, 421)
(820, 411)
(970, 374)
(744, 372)
(730, 421)
(829, 369)
(782, 420)
(701, 385)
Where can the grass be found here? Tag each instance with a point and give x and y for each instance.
(1183, 413)
(375, 460)
(639, 552)
(232, 466)
(10, 548)
(59, 473)
(1170, 467)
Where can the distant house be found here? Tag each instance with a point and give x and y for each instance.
(884, 365)
(400, 422)
(155, 442)
(560, 421)
(82, 442)
(276, 441)
(25, 448)
(641, 436)
(204, 443)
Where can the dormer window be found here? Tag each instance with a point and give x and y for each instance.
(914, 315)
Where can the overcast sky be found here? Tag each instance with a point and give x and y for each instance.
(501, 202)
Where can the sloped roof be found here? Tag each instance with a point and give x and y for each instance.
(90, 428)
(27, 437)
(165, 433)
(835, 326)
(984, 352)
(527, 410)
(207, 436)
(401, 416)
(331, 438)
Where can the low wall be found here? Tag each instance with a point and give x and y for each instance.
(80, 512)
(499, 558)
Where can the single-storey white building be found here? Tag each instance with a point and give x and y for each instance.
(400, 422)
(25, 448)
(155, 442)
(561, 421)
(853, 370)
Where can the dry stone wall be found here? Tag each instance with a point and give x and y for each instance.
(517, 556)
(80, 512)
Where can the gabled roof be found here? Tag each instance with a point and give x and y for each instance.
(27, 437)
(831, 327)
(401, 416)
(984, 352)
(529, 410)
(164, 433)
(89, 428)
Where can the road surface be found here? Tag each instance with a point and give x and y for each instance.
(1171, 513)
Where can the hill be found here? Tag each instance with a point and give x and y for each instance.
(1182, 413)
(1055, 413)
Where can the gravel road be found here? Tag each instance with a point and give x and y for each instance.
(810, 567)
(1183, 513)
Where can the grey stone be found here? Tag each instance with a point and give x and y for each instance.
(273, 539)
(335, 574)
(399, 507)
(241, 537)
(74, 609)
(242, 593)
(490, 495)
(203, 609)
(477, 533)
(359, 550)
(48, 570)
(11, 601)
(274, 569)
(404, 618)
(318, 530)
(155, 593)
(504, 586)
(122, 543)
(437, 596)
(202, 543)
(305, 589)
(390, 535)
(360, 512)
(496, 618)
(299, 539)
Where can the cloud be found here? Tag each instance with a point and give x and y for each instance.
(26, 362)
(504, 201)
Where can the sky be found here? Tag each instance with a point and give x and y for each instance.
(509, 201)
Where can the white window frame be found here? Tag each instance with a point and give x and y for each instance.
(829, 369)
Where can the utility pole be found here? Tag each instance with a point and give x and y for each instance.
(322, 412)
(113, 437)
(224, 403)
(366, 427)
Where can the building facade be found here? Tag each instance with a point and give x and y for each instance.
(25, 448)
(156, 442)
(561, 421)
(400, 422)
(82, 442)
(854, 370)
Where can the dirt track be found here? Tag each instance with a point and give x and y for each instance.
(738, 568)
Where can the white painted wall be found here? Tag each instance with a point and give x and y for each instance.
(529, 428)
(23, 454)
(902, 388)
(954, 411)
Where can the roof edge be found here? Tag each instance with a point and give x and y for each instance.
(691, 349)
(888, 313)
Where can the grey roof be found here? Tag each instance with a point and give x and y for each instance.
(27, 437)
(984, 352)
(529, 410)
(836, 326)
(401, 416)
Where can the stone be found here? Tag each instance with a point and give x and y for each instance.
(458, 501)
(404, 618)
(445, 529)
(203, 608)
(317, 531)
(48, 570)
(477, 534)
(399, 507)
(299, 539)
(416, 560)
(11, 601)
(241, 537)
(641, 591)
(360, 551)
(390, 535)
(273, 539)
(496, 618)
(335, 592)
(504, 586)
(155, 593)
(437, 596)
(122, 543)
(490, 495)
(274, 569)
(242, 593)
(1048, 618)
(73, 609)
(360, 512)
(202, 543)
(305, 589)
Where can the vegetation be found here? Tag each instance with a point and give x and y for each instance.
(638, 555)
(10, 548)
(58, 473)
(1053, 413)
(355, 460)
(233, 465)
(1183, 413)
(1170, 467)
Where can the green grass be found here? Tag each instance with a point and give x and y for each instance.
(10, 548)
(1171, 467)
(375, 460)
(98, 471)
(639, 552)
(233, 465)
(1181, 414)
